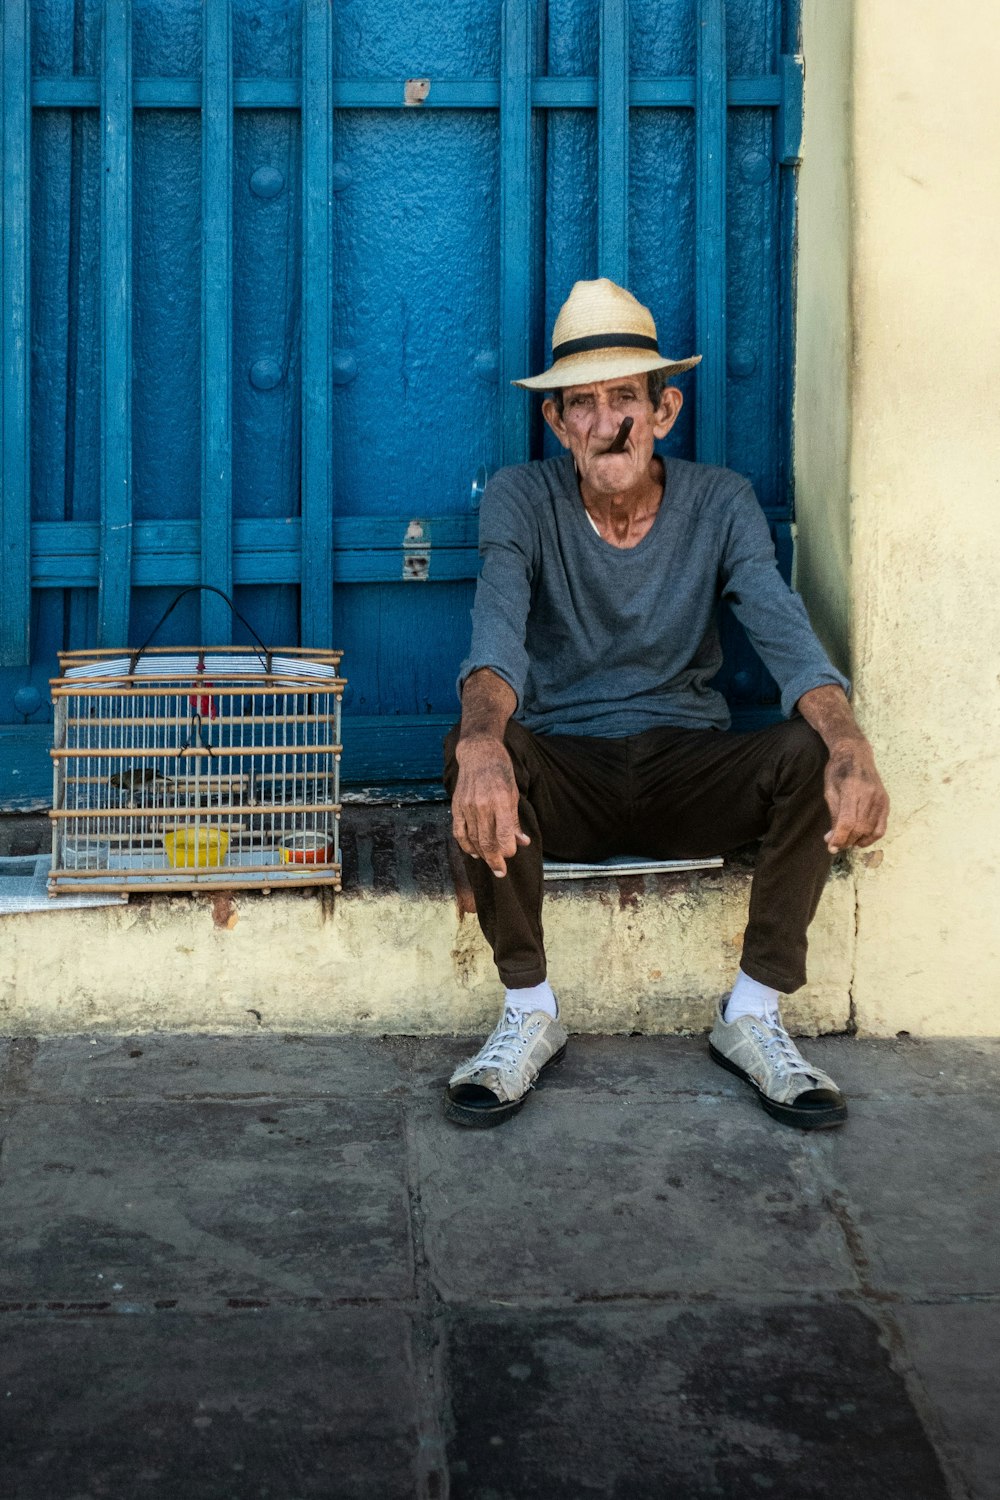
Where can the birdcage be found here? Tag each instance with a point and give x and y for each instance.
(181, 770)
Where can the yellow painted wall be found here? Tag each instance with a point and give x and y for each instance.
(923, 466)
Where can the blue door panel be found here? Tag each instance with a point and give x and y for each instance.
(573, 38)
(166, 41)
(417, 653)
(570, 196)
(445, 38)
(51, 332)
(166, 281)
(755, 441)
(416, 298)
(662, 243)
(267, 37)
(56, 28)
(455, 229)
(752, 36)
(663, 38)
(267, 325)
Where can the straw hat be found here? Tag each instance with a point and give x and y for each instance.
(602, 331)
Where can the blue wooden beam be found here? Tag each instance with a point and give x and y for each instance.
(115, 569)
(517, 57)
(366, 549)
(317, 292)
(564, 92)
(710, 232)
(15, 464)
(612, 143)
(217, 322)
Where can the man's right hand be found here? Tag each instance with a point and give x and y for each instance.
(484, 804)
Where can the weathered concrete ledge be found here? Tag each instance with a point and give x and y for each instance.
(399, 951)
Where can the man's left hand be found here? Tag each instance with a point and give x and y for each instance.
(858, 802)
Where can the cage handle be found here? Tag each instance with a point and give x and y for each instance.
(198, 588)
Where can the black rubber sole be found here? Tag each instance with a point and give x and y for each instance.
(802, 1119)
(484, 1117)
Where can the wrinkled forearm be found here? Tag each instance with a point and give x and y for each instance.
(484, 804)
(830, 714)
(487, 704)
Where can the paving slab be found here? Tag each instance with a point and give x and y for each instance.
(953, 1350)
(151, 1065)
(624, 1196)
(886, 1069)
(274, 1251)
(919, 1179)
(629, 1067)
(132, 1202)
(713, 1403)
(269, 1406)
(191, 1067)
(656, 1066)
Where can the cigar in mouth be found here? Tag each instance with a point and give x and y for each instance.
(618, 446)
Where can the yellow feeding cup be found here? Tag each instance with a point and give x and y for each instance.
(190, 848)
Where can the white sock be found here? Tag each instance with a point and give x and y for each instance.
(536, 997)
(750, 998)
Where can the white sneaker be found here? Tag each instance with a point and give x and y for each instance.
(764, 1056)
(493, 1085)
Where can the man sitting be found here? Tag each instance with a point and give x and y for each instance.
(589, 727)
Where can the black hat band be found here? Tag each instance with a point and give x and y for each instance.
(605, 341)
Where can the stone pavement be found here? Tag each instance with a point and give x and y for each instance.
(265, 1268)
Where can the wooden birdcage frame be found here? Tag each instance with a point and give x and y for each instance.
(186, 770)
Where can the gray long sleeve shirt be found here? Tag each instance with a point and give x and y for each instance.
(601, 640)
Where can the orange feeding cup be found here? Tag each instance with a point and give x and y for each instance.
(305, 849)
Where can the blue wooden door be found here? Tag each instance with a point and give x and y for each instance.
(269, 267)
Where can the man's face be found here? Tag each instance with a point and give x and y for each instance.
(589, 423)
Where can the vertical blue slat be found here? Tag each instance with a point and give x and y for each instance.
(710, 232)
(15, 469)
(515, 226)
(216, 321)
(115, 565)
(788, 125)
(317, 495)
(784, 489)
(612, 143)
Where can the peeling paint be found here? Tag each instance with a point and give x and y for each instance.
(416, 553)
(415, 90)
(224, 913)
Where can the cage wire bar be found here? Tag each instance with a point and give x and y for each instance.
(187, 770)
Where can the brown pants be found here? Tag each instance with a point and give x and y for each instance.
(665, 794)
